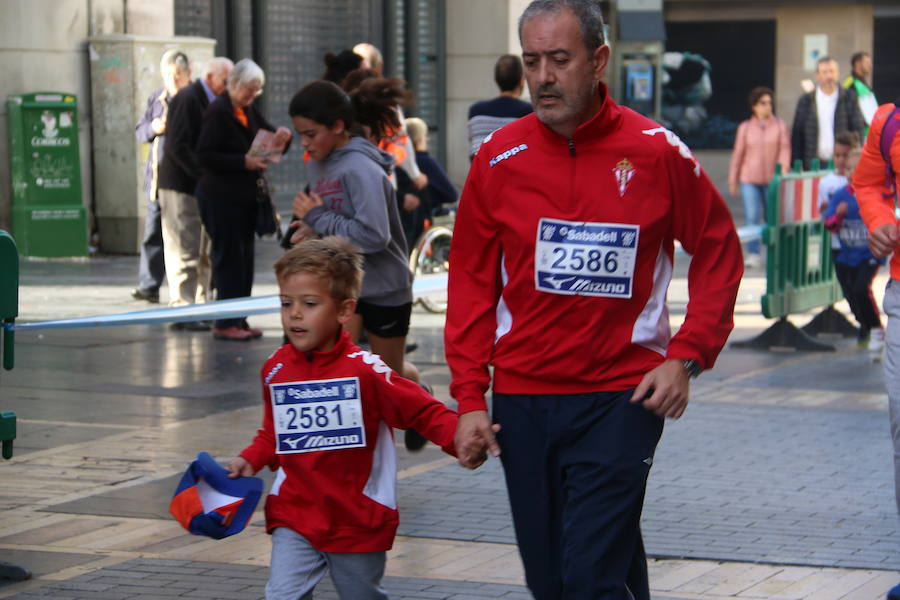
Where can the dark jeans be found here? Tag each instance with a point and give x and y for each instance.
(152, 269)
(576, 469)
(856, 283)
(230, 224)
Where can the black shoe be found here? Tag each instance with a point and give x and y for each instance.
(148, 295)
(414, 440)
(192, 326)
(410, 348)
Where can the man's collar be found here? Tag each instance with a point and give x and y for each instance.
(209, 93)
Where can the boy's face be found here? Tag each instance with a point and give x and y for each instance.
(310, 316)
(840, 158)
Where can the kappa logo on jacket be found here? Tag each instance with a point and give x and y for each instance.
(504, 155)
(675, 141)
(272, 373)
(377, 364)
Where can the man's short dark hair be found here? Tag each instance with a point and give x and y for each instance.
(823, 60)
(508, 72)
(588, 13)
(857, 56)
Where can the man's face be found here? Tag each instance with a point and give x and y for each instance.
(562, 77)
(174, 78)
(827, 75)
(217, 79)
(864, 66)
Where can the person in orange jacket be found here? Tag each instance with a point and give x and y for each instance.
(875, 183)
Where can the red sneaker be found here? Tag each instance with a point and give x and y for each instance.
(232, 333)
(255, 333)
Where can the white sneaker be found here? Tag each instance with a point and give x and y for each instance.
(752, 261)
(876, 344)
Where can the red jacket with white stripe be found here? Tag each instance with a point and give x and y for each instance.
(562, 253)
(327, 431)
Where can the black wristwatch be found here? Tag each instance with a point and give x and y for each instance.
(692, 367)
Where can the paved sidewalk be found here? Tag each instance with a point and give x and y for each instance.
(777, 483)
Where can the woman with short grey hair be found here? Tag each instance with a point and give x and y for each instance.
(228, 187)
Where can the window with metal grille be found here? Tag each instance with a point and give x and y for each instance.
(289, 39)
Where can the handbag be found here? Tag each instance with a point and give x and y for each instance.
(267, 219)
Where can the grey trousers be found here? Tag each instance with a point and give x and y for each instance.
(297, 568)
(185, 247)
(892, 372)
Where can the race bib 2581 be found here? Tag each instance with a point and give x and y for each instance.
(310, 416)
(585, 259)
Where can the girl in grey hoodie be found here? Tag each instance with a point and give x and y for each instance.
(351, 194)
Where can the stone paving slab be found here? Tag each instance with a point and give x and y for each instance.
(730, 482)
(146, 579)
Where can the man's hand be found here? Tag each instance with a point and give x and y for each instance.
(733, 189)
(475, 438)
(239, 467)
(667, 386)
(883, 240)
(303, 203)
(158, 126)
(255, 163)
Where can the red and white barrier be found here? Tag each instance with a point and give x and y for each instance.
(799, 200)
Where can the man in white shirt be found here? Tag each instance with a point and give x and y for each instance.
(822, 114)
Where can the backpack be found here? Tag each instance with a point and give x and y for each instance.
(888, 133)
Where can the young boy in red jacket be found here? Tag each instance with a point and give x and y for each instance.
(327, 430)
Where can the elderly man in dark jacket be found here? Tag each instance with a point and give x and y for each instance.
(822, 114)
(186, 242)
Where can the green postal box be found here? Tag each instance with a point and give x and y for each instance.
(48, 216)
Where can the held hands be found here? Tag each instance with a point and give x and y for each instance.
(475, 438)
(667, 386)
(841, 209)
(303, 203)
(239, 467)
(255, 163)
(883, 240)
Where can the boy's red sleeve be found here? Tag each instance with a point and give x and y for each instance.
(261, 451)
(406, 405)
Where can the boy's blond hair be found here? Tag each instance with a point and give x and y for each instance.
(417, 130)
(332, 259)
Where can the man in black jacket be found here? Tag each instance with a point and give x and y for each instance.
(822, 114)
(185, 241)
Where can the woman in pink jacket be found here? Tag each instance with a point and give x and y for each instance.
(761, 142)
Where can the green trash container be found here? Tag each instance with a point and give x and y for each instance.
(48, 216)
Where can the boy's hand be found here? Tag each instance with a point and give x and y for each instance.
(239, 467)
(841, 209)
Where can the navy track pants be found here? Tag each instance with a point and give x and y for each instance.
(576, 468)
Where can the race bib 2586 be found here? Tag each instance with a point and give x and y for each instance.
(310, 416)
(585, 259)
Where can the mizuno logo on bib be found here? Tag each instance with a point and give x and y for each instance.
(585, 259)
(319, 415)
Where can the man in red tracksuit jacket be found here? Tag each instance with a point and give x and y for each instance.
(562, 254)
